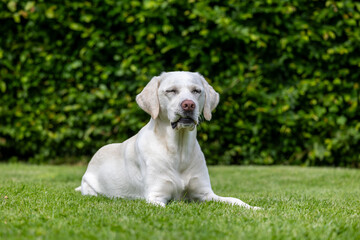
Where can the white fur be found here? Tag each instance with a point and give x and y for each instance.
(159, 163)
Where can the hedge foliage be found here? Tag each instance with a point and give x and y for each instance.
(287, 72)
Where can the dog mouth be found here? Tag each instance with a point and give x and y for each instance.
(184, 122)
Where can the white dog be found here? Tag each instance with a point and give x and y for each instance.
(164, 160)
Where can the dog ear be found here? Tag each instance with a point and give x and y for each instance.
(148, 98)
(211, 99)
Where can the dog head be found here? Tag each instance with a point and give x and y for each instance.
(178, 97)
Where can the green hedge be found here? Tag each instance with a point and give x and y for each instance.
(287, 72)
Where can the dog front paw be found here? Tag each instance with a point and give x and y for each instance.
(156, 202)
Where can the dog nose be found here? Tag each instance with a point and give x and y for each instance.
(188, 105)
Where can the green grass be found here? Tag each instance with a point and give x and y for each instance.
(299, 203)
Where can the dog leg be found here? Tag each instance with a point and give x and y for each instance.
(86, 189)
(159, 194)
(230, 200)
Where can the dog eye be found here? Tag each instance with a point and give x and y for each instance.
(171, 91)
(197, 91)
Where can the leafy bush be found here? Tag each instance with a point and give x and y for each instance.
(287, 71)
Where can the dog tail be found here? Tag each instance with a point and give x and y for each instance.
(78, 189)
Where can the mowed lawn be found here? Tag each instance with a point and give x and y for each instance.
(39, 202)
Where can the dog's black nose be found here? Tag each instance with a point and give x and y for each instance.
(188, 105)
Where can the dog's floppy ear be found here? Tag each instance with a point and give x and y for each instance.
(211, 98)
(148, 98)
